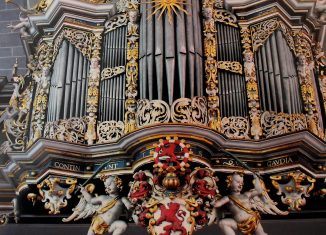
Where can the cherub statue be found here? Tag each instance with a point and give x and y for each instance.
(244, 206)
(23, 26)
(106, 209)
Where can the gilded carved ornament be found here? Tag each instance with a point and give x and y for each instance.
(54, 193)
(108, 73)
(232, 66)
(109, 131)
(275, 124)
(70, 130)
(251, 83)
(294, 187)
(236, 127)
(132, 70)
(210, 53)
(260, 33)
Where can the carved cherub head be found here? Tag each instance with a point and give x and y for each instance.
(133, 16)
(235, 182)
(301, 60)
(248, 56)
(208, 13)
(113, 184)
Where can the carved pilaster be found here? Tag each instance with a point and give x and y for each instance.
(132, 67)
(93, 89)
(305, 74)
(41, 75)
(210, 53)
(251, 83)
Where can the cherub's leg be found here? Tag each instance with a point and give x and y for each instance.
(260, 230)
(228, 226)
(90, 231)
(118, 227)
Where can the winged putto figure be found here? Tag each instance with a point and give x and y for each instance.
(245, 207)
(105, 209)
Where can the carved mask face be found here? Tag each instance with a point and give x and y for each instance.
(237, 183)
(248, 57)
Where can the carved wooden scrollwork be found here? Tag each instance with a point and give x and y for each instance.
(152, 112)
(232, 66)
(226, 17)
(185, 110)
(275, 124)
(71, 130)
(108, 73)
(110, 131)
(116, 22)
(235, 127)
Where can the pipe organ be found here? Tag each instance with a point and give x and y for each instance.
(167, 99)
(277, 77)
(231, 82)
(67, 96)
(170, 54)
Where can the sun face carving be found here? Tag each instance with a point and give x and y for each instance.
(168, 6)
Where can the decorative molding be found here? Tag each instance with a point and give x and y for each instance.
(71, 130)
(235, 127)
(232, 66)
(295, 188)
(275, 124)
(108, 73)
(109, 131)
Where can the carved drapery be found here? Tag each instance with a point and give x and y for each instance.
(132, 69)
(109, 131)
(70, 130)
(251, 83)
(210, 53)
(275, 124)
(183, 110)
(235, 127)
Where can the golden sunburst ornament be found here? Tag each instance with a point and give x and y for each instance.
(168, 6)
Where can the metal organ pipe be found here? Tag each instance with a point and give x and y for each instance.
(277, 79)
(231, 85)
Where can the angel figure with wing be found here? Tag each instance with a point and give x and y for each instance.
(244, 207)
(105, 209)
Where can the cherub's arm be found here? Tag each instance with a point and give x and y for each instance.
(97, 200)
(221, 202)
(127, 203)
(257, 190)
(90, 199)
